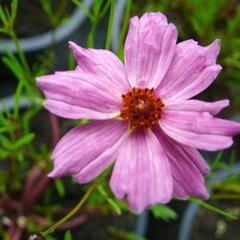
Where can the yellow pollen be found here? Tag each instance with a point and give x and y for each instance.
(141, 108)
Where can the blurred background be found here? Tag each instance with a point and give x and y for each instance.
(34, 37)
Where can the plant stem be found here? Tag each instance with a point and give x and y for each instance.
(53, 119)
(73, 211)
(225, 196)
(124, 29)
(109, 33)
(213, 208)
(21, 54)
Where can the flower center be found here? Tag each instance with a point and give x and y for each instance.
(141, 108)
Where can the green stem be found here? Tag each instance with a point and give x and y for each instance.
(225, 196)
(73, 211)
(21, 54)
(90, 39)
(109, 33)
(213, 208)
(124, 29)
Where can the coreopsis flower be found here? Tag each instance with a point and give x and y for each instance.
(143, 117)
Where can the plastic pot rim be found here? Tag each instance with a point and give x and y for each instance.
(44, 40)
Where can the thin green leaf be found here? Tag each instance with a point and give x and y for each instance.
(3, 17)
(217, 159)
(124, 29)
(23, 141)
(110, 24)
(46, 6)
(84, 8)
(60, 187)
(97, 6)
(114, 205)
(5, 110)
(232, 161)
(111, 202)
(71, 60)
(164, 212)
(12, 62)
(7, 14)
(213, 208)
(225, 186)
(104, 10)
(14, 7)
(124, 235)
(17, 97)
(68, 235)
(28, 115)
(3, 31)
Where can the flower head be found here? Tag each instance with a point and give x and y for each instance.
(143, 117)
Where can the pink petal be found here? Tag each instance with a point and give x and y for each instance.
(149, 49)
(80, 147)
(199, 106)
(101, 62)
(74, 94)
(192, 70)
(207, 142)
(200, 122)
(100, 163)
(142, 171)
(188, 168)
(66, 110)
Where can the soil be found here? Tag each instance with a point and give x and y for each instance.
(31, 18)
(209, 225)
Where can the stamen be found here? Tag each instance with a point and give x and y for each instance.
(141, 108)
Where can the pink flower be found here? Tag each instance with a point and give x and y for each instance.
(143, 117)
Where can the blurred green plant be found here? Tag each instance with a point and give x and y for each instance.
(25, 160)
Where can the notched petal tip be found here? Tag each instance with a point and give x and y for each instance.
(156, 17)
(134, 21)
(40, 80)
(206, 171)
(53, 174)
(47, 104)
(75, 48)
(225, 102)
(215, 45)
(203, 194)
(216, 69)
(173, 30)
(213, 51)
(43, 81)
(72, 45)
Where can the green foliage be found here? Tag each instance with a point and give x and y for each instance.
(126, 18)
(216, 161)
(99, 10)
(124, 235)
(112, 202)
(7, 17)
(163, 212)
(60, 187)
(55, 17)
(68, 235)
